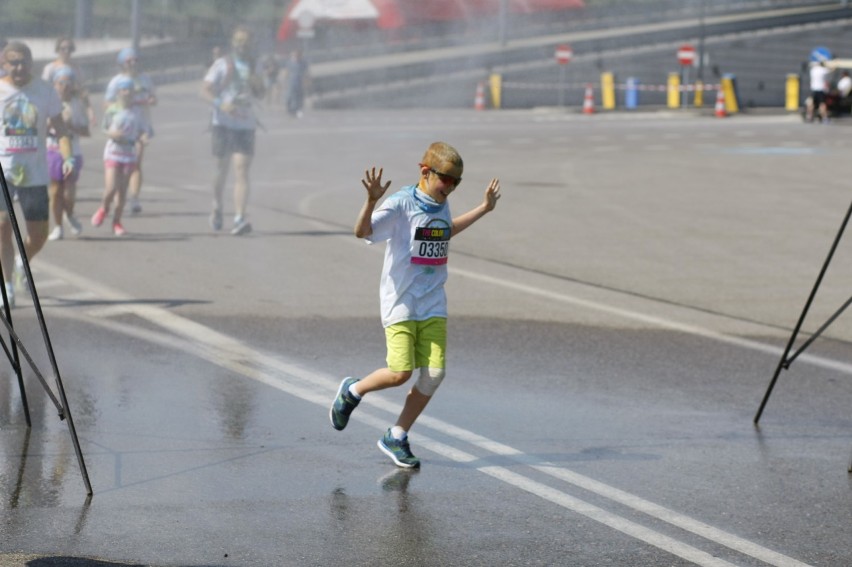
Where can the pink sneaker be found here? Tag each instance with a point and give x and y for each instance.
(117, 229)
(98, 217)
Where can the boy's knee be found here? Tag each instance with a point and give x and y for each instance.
(400, 377)
(429, 380)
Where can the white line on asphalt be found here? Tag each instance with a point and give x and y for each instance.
(616, 495)
(653, 320)
(316, 388)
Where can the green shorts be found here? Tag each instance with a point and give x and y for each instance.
(417, 344)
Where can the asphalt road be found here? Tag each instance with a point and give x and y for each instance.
(614, 324)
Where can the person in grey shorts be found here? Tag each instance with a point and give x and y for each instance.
(231, 85)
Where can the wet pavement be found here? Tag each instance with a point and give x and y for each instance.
(613, 326)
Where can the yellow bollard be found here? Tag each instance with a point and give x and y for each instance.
(731, 104)
(673, 98)
(607, 91)
(792, 100)
(496, 82)
(698, 99)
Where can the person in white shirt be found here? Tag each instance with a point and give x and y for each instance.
(417, 225)
(29, 107)
(819, 82)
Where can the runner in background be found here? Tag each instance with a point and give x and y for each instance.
(29, 107)
(126, 131)
(144, 97)
(63, 189)
(231, 86)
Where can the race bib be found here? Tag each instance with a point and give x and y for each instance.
(431, 245)
(18, 144)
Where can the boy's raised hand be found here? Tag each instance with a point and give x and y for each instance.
(492, 194)
(372, 182)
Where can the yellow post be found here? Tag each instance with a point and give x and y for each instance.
(607, 90)
(731, 103)
(698, 99)
(792, 100)
(673, 98)
(496, 82)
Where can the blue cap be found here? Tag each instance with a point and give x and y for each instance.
(64, 72)
(125, 54)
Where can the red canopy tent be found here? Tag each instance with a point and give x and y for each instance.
(396, 14)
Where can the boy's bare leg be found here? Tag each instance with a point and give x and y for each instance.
(415, 403)
(381, 379)
(384, 378)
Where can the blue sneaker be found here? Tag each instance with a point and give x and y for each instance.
(343, 404)
(399, 451)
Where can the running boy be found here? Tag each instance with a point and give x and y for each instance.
(416, 223)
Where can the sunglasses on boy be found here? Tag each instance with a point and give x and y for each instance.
(445, 178)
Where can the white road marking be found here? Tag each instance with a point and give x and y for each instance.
(653, 320)
(317, 388)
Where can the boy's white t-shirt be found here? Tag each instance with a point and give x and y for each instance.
(23, 130)
(417, 230)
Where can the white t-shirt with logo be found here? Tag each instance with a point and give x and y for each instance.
(23, 130)
(417, 230)
(230, 79)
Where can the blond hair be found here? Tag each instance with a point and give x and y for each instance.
(442, 155)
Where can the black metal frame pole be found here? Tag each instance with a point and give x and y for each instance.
(818, 332)
(785, 362)
(7, 312)
(65, 410)
(49, 346)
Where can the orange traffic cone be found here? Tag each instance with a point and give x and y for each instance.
(720, 104)
(589, 101)
(479, 101)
